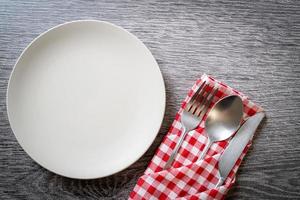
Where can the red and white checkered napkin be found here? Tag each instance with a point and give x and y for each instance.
(190, 178)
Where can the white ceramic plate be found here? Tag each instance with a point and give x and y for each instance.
(86, 99)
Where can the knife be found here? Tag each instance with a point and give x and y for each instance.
(237, 145)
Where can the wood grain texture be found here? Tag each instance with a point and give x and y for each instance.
(254, 46)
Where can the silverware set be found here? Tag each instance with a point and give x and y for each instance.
(223, 120)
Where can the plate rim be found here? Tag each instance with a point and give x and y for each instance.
(162, 114)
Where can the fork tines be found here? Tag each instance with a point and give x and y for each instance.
(200, 101)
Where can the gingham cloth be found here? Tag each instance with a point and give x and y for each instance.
(190, 178)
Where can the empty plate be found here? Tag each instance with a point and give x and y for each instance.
(86, 99)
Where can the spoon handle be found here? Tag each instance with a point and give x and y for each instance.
(207, 146)
(178, 145)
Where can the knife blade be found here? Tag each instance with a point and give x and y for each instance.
(237, 145)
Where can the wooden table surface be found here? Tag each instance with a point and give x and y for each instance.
(254, 46)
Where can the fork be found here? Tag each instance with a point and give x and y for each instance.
(192, 115)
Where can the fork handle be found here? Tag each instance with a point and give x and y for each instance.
(177, 147)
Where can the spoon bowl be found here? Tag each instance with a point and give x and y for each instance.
(223, 120)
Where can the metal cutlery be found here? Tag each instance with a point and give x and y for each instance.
(223, 120)
(192, 115)
(237, 145)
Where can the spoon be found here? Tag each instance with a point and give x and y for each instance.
(223, 120)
